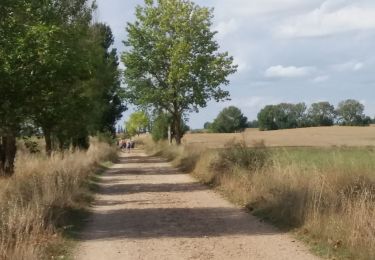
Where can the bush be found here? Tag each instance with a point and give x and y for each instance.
(106, 137)
(31, 145)
(229, 120)
(238, 154)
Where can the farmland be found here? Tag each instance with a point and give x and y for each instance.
(301, 137)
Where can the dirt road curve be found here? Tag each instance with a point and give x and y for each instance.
(147, 210)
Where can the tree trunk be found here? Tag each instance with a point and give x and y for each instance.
(7, 155)
(169, 134)
(48, 140)
(177, 129)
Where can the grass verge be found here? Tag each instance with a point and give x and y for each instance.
(45, 202)
(325, 196)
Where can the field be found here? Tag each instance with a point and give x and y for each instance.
(302, 137)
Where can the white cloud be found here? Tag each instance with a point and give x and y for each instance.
(252, 102)
(332, 17)
(288, 72)
(321, 78)
(348, 66)
(225, 28)
(242, 64)
(248, 8)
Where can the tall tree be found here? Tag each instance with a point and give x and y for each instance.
(267, 118)
(351, 112)
(322, 114)
(137, 123)
(172, 62)
(229, 120)
(106, 83)
(282, 116)
(56, 73)
(15, 73)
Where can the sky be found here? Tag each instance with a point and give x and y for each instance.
(286, 50)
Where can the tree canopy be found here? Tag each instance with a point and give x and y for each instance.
(138, 123)
(285, 115)
(282, 116)
(229, 120)
(321, 114)
(57, 74)
(351, 113)
(172, 61)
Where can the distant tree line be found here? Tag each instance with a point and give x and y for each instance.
(58, 75)
(286, 115)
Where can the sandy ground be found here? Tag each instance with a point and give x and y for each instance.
(146, 209)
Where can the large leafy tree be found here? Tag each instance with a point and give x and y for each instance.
(267, 118)
(57, 73)
(172, 60)
(351, 112)
(105, 85)
(229, 120)
(14, 78)
(137, 123)
(282, 116)
(59, 41)
(322, 114)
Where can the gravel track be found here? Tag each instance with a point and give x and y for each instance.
(146, 209)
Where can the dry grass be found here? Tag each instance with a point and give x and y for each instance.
(326, 195)
(314, 136)
(184, 157)
(33, 203)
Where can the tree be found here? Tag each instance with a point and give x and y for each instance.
(350, 112)
(137, 123)
(282, 116)
(172, 62)
(299, 111)
(55, 68)
(207, 125)
(267, 118)
(229, 120)
(322, 114)
(160, 126)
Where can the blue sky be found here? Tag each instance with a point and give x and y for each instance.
(287, 50)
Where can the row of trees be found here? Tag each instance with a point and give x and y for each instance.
(58, 75)
(285, 115)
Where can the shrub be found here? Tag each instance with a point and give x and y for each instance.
(238, 154)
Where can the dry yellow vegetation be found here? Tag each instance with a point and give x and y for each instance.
(314, 136)
(325, 194)
(34, 202)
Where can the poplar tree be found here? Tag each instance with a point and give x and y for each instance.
(172, 60)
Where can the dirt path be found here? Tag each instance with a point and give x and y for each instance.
(147, 210)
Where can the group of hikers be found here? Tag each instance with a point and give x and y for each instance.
(126, 145)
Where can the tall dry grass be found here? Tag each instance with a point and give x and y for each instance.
(34, 202)
(326, 195)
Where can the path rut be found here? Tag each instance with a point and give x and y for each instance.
(146, 209)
